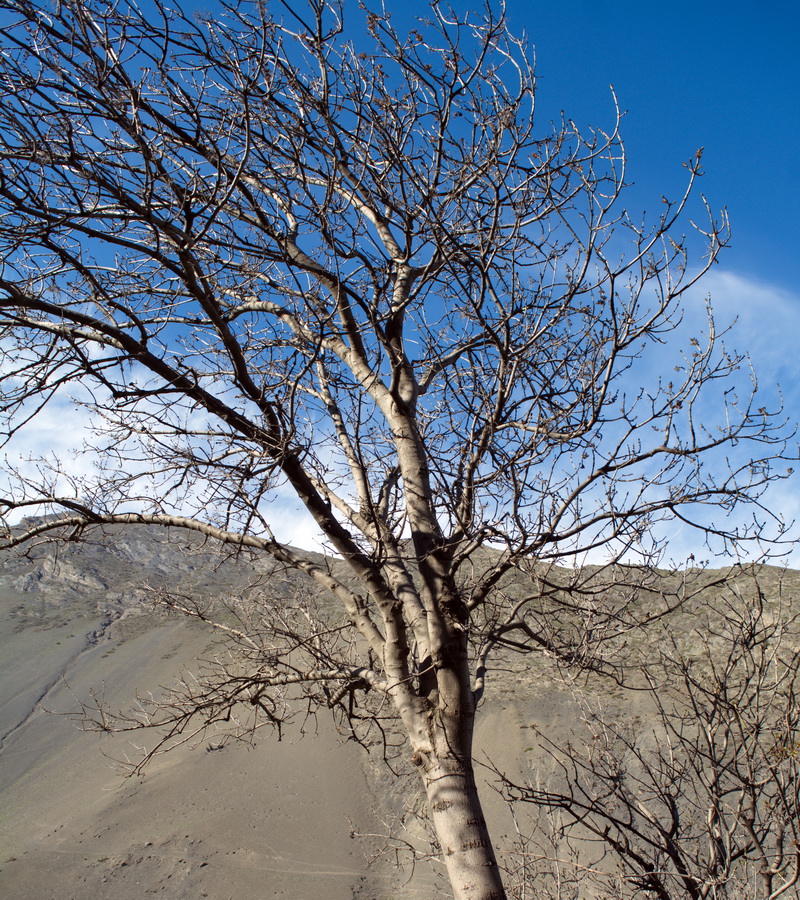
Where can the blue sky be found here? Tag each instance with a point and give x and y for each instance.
(723, 76)
(689, 75)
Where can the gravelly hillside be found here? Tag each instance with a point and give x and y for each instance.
(241, 822)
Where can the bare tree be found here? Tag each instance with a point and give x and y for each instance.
(701, 798)
(300, 254)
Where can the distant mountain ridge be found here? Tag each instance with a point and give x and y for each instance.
(78, 617)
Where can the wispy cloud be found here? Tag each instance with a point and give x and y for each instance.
(767, 319)
(761, 321)
(765, 324)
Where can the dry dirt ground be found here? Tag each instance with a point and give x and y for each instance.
(237, 823)
(242, 823)
(274, 820)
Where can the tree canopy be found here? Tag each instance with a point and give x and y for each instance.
(309, 251)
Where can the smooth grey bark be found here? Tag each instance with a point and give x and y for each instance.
(460, 825)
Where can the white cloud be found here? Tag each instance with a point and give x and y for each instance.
(292, 524)
(766, 325)
(52, 438)
(55, 440)
(767, 328)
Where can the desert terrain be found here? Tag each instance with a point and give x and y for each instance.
(243, 822)
(301, 817)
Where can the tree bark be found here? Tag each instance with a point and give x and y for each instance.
(458, 819)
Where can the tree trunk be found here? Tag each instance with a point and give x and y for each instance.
(455, 809)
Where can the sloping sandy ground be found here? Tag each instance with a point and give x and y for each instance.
(273, 821)
(236, 823)
(240, 823)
